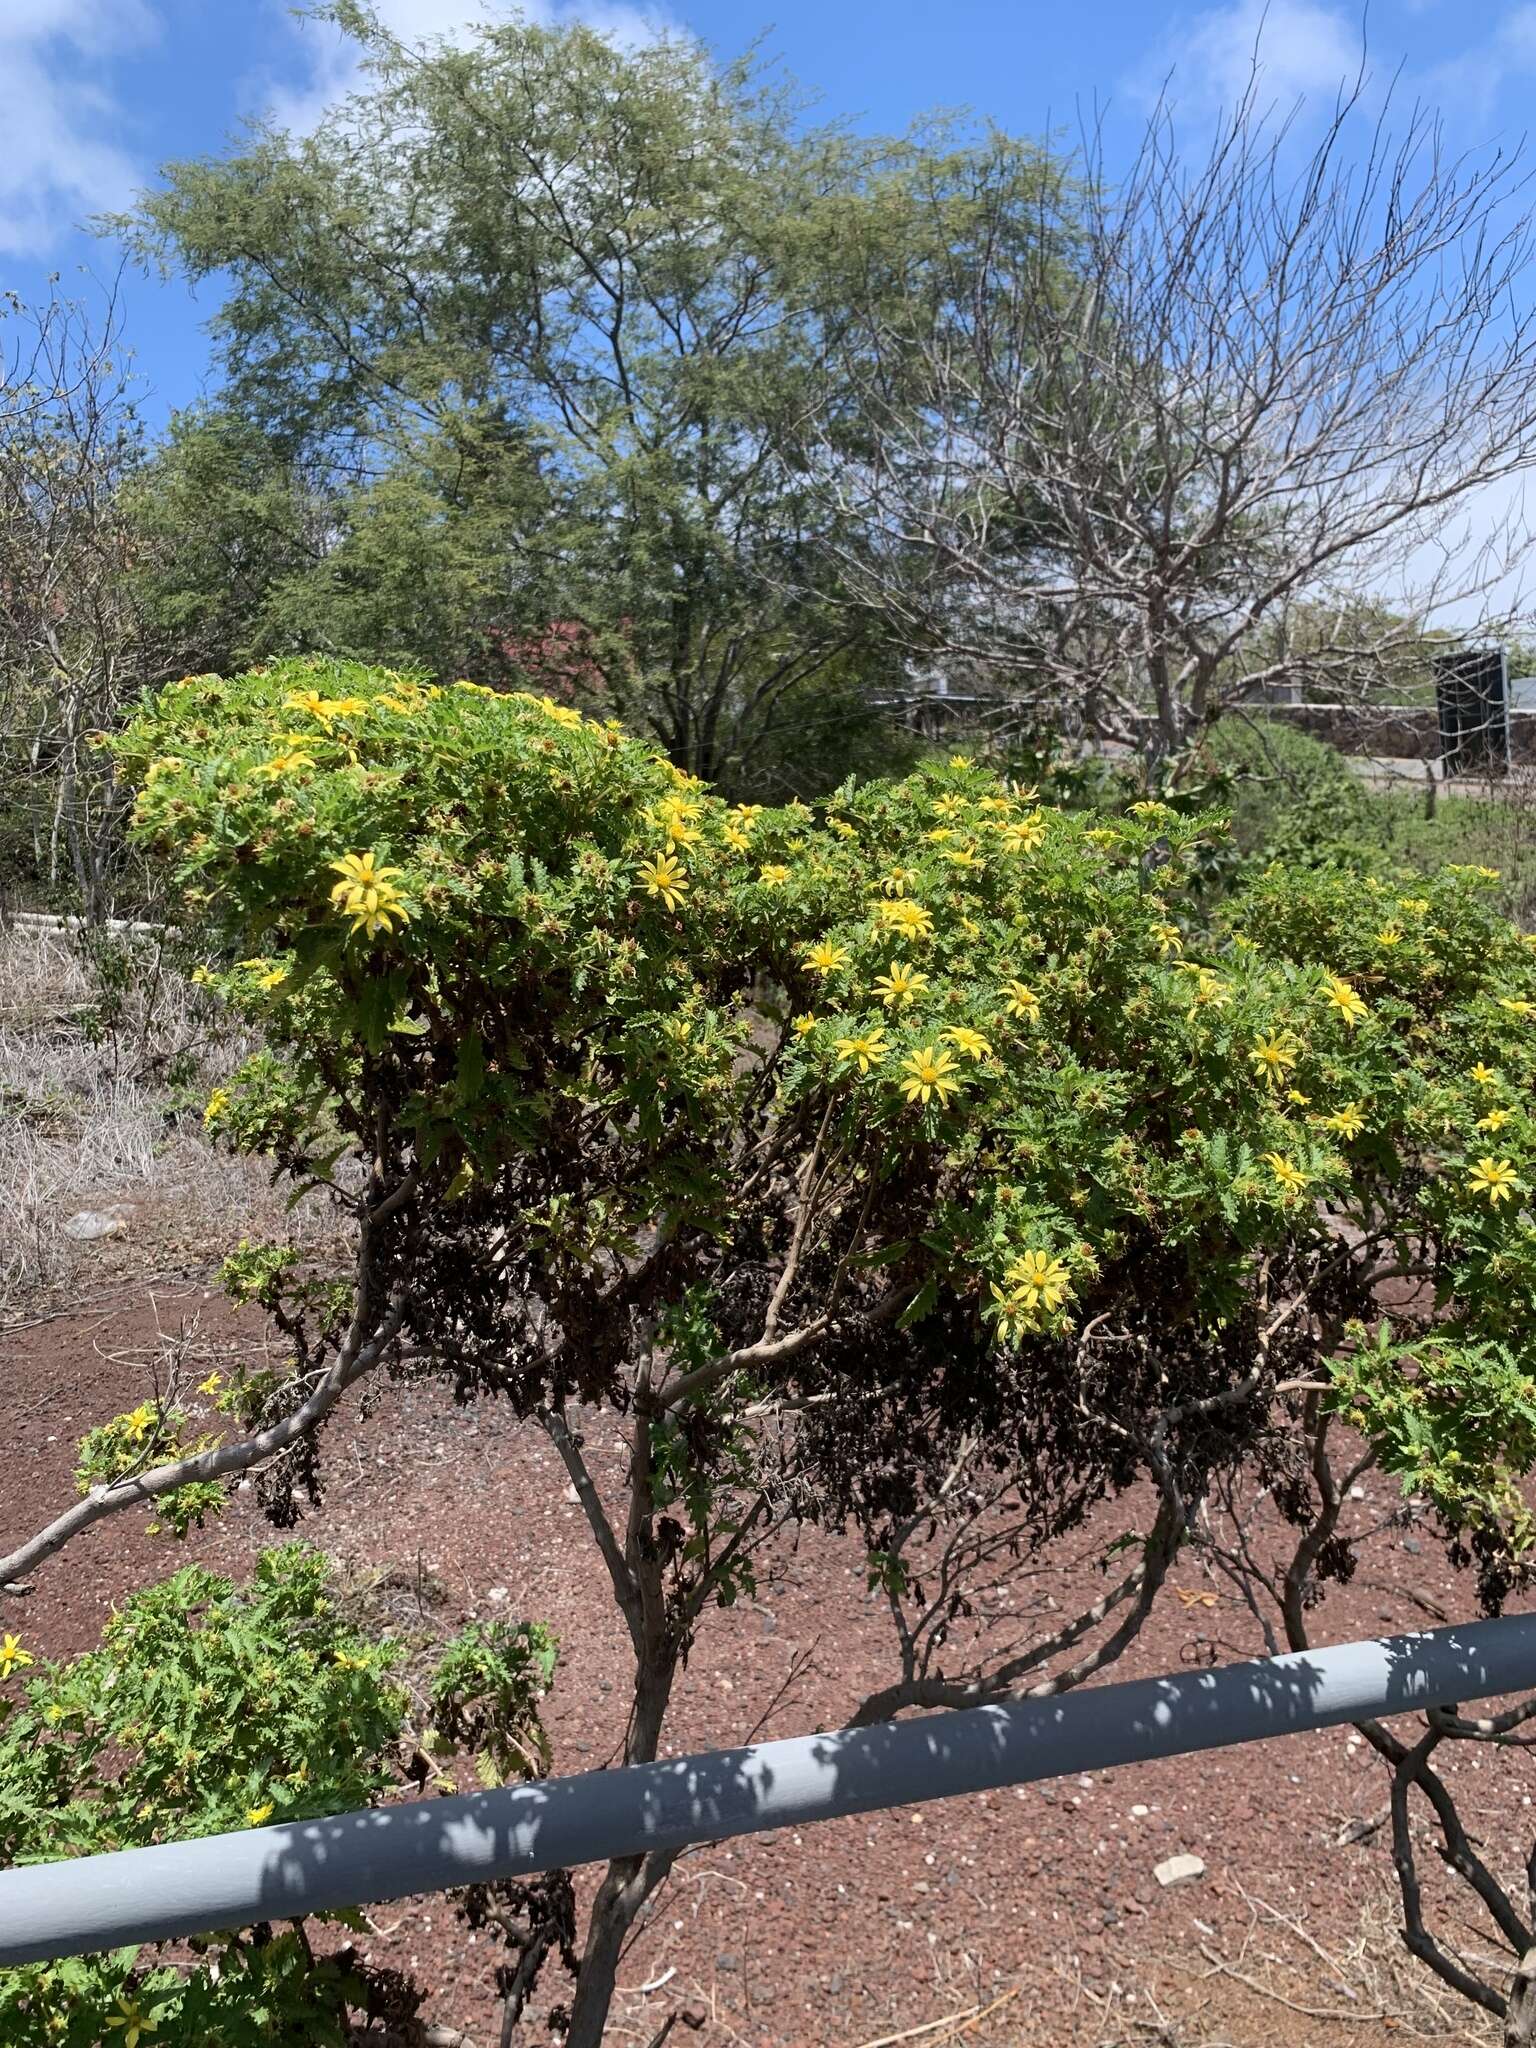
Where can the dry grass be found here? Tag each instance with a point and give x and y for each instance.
(104, 1067)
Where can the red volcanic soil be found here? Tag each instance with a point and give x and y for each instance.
(1022, 1916)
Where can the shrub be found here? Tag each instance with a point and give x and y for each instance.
(840, 1152)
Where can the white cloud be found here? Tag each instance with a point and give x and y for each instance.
(1288, 50)
(331, 62)
(61, 153)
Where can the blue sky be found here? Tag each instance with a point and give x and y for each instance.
(95, 94)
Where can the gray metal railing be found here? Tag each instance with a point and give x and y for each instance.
(353, 1859)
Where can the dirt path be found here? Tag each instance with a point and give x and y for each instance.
(1040, 1897)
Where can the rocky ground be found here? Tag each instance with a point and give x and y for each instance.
(1027, 1916)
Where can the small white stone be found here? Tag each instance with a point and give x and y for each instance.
(1357, 1493)
(1140, 1812)
(1179, 1870)
(497, 1593)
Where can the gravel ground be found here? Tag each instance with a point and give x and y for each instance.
(1025, 1916)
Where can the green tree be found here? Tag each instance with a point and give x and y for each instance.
(526, 340)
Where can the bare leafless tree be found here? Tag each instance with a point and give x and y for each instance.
(73, 639)
(1247, 419)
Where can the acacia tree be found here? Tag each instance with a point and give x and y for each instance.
(1129, 492)
(866, 1165)
(535, 320)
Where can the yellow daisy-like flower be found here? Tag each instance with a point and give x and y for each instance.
(962, 761)
(949, 807)
(367, 894)
(746, 815)
(1495, 1178)
(929, 1072)
(736, 839)
(774, 875)
(1484, 1076)
(562, 714)
(255, 1816)
(904, 916)
(1495, 1120)
(1390, 935)
(1014, 1314)
(966, 1041)
(663, 876)
(134, 2021)
(1211, 992)
(1295, 1095)
(964, 858)
(842, 828)
(1023, 835)
(825, 958)
(804, 1024)
(215, 1106)
(1169, 939)
(273, 978)
(309, 701)
(866, 1050)
(940, 834)
(140, 1420)
(899, 984)
(898, 881)
(1350, 1006)
(1348, 1121)
(211, 1385)
(1021, 1000)
(1290, 1177)
(291, 762)
(1517, 1006)
(13, 1657)
(1042, 1279)
(1273, 1058)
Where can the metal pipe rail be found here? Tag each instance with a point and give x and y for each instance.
(354, 1859)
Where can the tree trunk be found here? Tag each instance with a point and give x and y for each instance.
(1520, 2018)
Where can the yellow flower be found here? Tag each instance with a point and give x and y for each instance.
(1013, 1314)
(1211, 992)
(906, 917)
(746, 815)
(289, 762)
(1149, 807)
(899, 880)
(961, 761)
(1295, 1095)
(13, 1657)
(1169, 939)
(1417, 905)
(949, 806)
(804, 1024)
(1272, 1058)
(964, 858)
(940, 834)
(367, 894)
(212, 1384)
(736, 839)
(865, 1051)
(970, 927)
(773, 876)
(842, 828)
(1390, 935)
(255, 1815)
(562, 714)
(1043, 1280)
(1350, 1006)
(141, 1420)
(132, 2018)
(1495, 1178)
(899, 984)
(310, 701)
(1290, 1177)
(825, 958)
(1023, 835)
(1348, 1121)
(966, 1041)
(663, 876)
(1495, 1120)
(927, 1073)
(217, 1103)
(1485, 1077)
(1517, 1007)
(1021, 1000)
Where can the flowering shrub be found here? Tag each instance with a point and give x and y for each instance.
(211, 1707)
(821, 1143)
